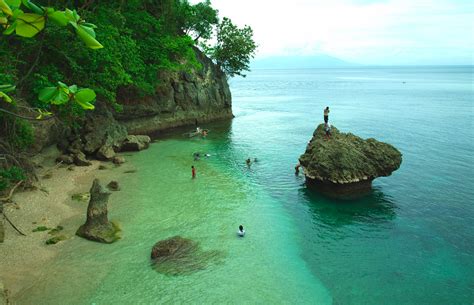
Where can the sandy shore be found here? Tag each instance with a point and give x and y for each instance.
(22, 257)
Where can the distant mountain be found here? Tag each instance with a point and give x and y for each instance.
(298, 62)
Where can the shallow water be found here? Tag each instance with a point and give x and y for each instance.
(409, 242)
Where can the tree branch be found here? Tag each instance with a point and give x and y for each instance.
(25, 117)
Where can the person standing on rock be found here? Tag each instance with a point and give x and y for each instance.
(193, 172)
(327, 129)
(326, 115)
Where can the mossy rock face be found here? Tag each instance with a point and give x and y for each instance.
(105, 233)
(345, 163)
(182, 256)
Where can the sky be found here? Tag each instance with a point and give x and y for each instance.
(398, 32)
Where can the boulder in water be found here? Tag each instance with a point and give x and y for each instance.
(345, 165)
(97, 226)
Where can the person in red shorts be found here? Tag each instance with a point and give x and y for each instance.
(193, 172)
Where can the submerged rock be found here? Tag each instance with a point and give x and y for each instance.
(97, 226)
(113, 186)
(179, 256)
(345, 164)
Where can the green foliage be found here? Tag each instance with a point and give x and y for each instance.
(22, 135)
(54, 240)
(197, 20)
(137, 47)
(9, 176)
(24, 24)
(62, 93)
(234, 48)
(40, 229)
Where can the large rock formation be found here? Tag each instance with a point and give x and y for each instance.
(182, 98)
(345, 164)
(179, 256)
(97, 226)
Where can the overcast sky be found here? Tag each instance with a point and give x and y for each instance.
(360, 31)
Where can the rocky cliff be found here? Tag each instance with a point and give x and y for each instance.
(345, 164)
(182, 98)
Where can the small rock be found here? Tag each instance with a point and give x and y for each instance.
(47, 176)
(113, 186)
(102, 167)
(70, 168)
(105, 153)
(65, 159)
(118, 160)
(80, 160)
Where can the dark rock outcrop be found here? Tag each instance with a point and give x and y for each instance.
(345, 164)
(102, 131)
(97, 226)
(178, 256)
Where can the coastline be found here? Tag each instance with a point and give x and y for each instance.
(25, 257)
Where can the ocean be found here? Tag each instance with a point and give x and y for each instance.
(410, 241)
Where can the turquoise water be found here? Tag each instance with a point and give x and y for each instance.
(409, 242)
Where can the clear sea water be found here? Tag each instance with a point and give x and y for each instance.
(411, 241)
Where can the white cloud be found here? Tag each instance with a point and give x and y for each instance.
(391, 32)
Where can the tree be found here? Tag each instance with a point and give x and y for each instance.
(234, 48)
(199, 19)
(14, 20)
